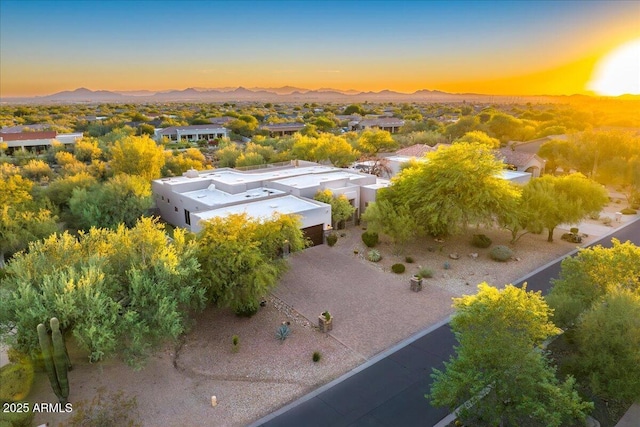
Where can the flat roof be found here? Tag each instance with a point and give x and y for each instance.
(213, 197)
(263, 208)
(313, 180)
(232, 176)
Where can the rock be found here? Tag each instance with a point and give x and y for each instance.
(454, 256)
(591, 422)
(473, 255)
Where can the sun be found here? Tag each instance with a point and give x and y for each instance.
(618, 73)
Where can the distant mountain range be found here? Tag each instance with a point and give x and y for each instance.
(281, 94)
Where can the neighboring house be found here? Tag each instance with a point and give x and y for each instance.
(282, 129)
(37, 141)
(186, 200)
(221, 121)
(390, 124)
(416, 150)
(522, 161)
(192, 133)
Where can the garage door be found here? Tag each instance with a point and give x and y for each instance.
(314, 233)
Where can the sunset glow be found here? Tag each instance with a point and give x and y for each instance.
(619, 72)
(502, 47)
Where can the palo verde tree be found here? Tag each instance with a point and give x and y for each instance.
(22, 217)
(117, 291)
(137, 155)
(562, 200)
(341, 207)
(456, 186)
(241, 260)
(123, 199)
(395, 221)
(597, 299)
(499, 368)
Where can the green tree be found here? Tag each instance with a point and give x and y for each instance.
(479, 137)
(374, 141)
(499, 367)
(228, 155)
(455, 187)
(87, 149)
(395, 221)
(607, 341)
(123, 199)
(176, 163)
(341, 207)
(354, 109)
(458, 129)
(22, 219)
(239, 257)
(117, 291)
(137, 155)
(244, 125)
(587, 277)
(562, 200)
(335, 149)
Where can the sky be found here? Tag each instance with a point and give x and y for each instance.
(491, 47)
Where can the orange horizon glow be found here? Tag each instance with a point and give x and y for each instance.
(481, 58)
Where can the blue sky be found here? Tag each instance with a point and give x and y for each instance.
(123, 45)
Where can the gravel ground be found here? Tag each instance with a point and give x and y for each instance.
(373, 309)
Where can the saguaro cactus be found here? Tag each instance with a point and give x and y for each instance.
(45, 347)
(56, 359)
(60, 357)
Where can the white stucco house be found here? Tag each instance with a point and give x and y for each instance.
(187, 200)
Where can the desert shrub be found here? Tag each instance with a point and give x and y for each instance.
(594, 215)
(374, 256)
(606, 220)
(408, 260)
(283, 332)
(246, 310)
(9, 418)
(316, 356)
(446, 265)
(481, 241)
(370, 238)
(501, 253)
(332, 238)
(574, 230)
(425, 273)
(235, 342)
(114, 410)
(398, 268)
(628, 211)
(15, 381)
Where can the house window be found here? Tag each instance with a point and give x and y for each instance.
(187, 217)
(162, 197)
(175, 208)
(168, 200)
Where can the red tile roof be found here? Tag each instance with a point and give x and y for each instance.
(418, 150)
(25, 136)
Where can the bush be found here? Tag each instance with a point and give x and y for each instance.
(374, 256)
(247, 310)
(481, 241)
(235, 341)
(425, 273)
(316, 356)
(370, 238)
(408, 260)
(332, 238)
(446, 265)
(573, 230)
(501, 253)
(15, 381)
(398, 268)
(606, 220)
(628, 211)
(105, 411)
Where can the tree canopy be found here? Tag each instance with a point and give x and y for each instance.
(498, 367)
(240, 257)
(137, 155)
(341, 207)
(117, 291)
(563, 199)
(456, 186)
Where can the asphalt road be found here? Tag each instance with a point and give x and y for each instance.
(389, 392)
